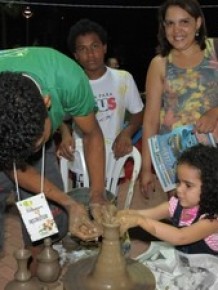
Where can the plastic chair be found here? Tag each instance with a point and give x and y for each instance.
(113, 170)
(78, 165)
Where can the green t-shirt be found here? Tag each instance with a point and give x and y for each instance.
(57, 75)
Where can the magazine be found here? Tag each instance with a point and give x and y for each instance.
(165, 150)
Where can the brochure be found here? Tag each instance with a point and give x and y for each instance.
(165, 150)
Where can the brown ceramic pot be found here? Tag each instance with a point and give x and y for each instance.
(48, 268)
(22, 278)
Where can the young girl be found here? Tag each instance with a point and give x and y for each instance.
(194, 209)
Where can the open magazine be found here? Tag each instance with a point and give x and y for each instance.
(165, 150)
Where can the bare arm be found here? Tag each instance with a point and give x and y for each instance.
(130, 218)
(123, 142)
(134, 124)
(67, 144)
(79, 222)
(158, 212)
(208, 122)
(149, 221)
(179, 236)
(94, 153)
(30, 180)
(151, 119)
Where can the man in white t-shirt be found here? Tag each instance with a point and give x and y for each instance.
(115, 90)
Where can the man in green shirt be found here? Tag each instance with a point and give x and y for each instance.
(38, 87)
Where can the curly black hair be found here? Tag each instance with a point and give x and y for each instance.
(22, 119)
(205, 159)
(190, 6)
(83, 27)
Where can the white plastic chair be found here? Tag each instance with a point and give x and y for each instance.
(113, 170)
(78, 165)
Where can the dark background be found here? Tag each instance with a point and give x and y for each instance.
(131, 26)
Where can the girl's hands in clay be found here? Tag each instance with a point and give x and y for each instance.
(127, 219)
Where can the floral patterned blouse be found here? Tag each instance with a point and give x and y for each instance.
(189, 93)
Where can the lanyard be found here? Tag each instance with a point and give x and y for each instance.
(42, 174)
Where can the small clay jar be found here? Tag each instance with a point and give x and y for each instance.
(22, 278)
(48, 268)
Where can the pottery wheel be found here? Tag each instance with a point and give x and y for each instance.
(76, 274)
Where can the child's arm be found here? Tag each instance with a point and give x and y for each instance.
(168, 233)
(158, 212)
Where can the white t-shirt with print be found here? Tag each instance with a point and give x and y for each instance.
(115, 93)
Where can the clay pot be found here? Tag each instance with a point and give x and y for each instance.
(48, 268)
(109, 271)
(22, 278)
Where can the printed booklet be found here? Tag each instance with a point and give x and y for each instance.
(165, 150)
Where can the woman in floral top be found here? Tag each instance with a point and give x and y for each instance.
(182, 80)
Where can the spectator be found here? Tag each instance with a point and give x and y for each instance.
(115, 90)
(113, 62)
(182, 80)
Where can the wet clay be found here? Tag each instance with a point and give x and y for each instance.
(22, 278)
(109, 269)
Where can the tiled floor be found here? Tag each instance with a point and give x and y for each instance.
(13, 235)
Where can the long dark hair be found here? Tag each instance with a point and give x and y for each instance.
(193, 8)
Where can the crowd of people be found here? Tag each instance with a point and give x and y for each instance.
(40, 87)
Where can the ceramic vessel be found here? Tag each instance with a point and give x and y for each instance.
(22, 278)
(48, 268)
(109, 271)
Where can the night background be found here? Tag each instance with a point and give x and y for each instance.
(131, 26)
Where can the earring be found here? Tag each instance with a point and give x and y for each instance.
(197, 33)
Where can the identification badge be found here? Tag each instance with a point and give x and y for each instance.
(37, 217)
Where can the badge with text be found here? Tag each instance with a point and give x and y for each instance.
(37, 217)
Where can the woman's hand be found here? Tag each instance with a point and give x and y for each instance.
(208, 122)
